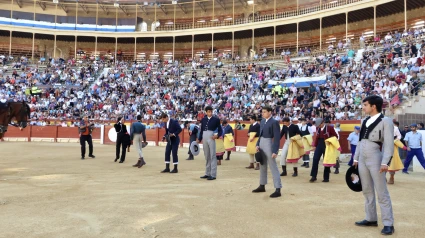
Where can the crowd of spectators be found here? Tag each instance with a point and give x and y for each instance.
(103, 90)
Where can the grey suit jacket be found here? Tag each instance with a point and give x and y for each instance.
(382, 133)
(271, 129)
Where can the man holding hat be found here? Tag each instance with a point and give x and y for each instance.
(193, 134)
(353, 140)
(373, 156)
(269, 143)
(413, 140)
(324, 132)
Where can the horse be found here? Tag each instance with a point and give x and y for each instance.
(20, 111)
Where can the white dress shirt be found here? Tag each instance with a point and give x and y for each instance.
(397, 133)
(369, 122)
(372, 119)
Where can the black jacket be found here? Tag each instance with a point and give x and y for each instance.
(292, 130)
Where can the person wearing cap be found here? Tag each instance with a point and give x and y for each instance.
(414, 148)
(324, 132)
(137, 132)
(353, 140)
(253, 135)
(373, 156)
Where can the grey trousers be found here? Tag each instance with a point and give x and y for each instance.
(209, 152)
(266, 146)
(369, 165)
(284, 154)
(138, 144)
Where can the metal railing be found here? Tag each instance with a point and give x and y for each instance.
(280, 14)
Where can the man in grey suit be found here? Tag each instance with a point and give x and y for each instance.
(269, 142)
(373, 155)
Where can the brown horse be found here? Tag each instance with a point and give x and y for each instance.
(20, 111)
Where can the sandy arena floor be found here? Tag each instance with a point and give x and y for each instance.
(47, 191)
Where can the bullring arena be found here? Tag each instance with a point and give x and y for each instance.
(48, 191)
(104, 59)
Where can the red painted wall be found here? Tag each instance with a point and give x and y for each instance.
(241, 136)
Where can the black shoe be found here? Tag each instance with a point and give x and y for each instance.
(205, 177)
(283, 171)
(227, 159)
(260, 189)
(190, 158)
(313, 179)
(167, 170)
(82, 158)
(307, 165)
(116, 159)
(295, 174)
(304, 164)
(211, 178)
(121, 161)
(325, 181)
(336, 171)
(366, 223)
(175, 170)
(276, 193)
(388, 230)
(92, 156)
(405, 172)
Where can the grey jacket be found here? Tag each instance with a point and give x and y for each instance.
(271, 129)
(382, 133)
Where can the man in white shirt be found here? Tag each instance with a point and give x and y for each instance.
(373, 163)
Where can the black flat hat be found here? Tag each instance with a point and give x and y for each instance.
(260, 156)
(194, 148)
(352, 179)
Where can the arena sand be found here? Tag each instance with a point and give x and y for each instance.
(47, 191)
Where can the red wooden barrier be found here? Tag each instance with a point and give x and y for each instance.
(153, 135)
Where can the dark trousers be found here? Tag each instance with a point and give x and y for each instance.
(353, 151)
(172, 147)
(83, 140)
(320, 150)
(121, 143)
(410, 154)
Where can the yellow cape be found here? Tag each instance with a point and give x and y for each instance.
(295, 150)
(251, 147)
(229, 142)
(332, 152)
(307, 141)
(396, 163)
(219, 147)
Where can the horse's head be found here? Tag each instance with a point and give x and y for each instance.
(21, 112)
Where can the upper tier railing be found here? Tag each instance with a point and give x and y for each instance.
(280, 13)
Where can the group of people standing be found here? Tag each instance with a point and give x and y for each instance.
(372, 146)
